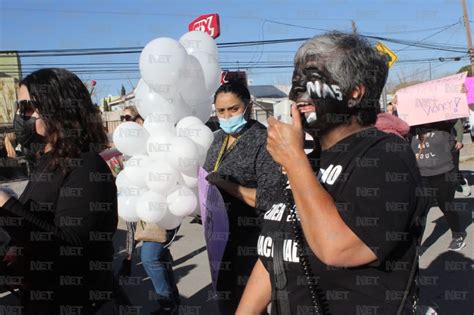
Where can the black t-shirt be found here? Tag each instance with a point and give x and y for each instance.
(373, 179)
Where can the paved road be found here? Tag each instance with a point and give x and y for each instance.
(446, 277)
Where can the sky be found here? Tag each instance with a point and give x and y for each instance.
(51, 24)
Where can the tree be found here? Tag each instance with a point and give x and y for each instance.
(106, 106)
(467, 68)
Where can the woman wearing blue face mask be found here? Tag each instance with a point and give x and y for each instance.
(246, 175)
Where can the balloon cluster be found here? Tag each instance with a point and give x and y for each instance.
(159, 181)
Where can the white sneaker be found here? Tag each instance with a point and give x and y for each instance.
(457, 243)
(466, 190)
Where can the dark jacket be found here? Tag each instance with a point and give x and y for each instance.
(64, 223)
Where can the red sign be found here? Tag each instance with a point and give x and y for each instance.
(208, 23)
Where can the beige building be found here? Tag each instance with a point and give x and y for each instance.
(10, 75)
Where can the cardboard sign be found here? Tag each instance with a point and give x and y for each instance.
(215, 222)
(208, 23)
(470, 89)
(431, 101)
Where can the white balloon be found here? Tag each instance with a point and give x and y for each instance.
(121, 180)
(131, 191)
(182, 201)
(130, 138)
(183, 154)
(189, 180)
(136, 169)
(170, 221)
(187, 121)
(202, 110)
(126, 208)
(180, 108)
(149, 101)
(151, 207)
(192, 85)
(197, 41)
(211, 70)
(196, 211)
(201, 134)
(162, 61)
(161, 177)
(159, 146)
(202, 155)
(157, 123)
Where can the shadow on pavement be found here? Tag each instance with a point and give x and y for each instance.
(202, 302)
(464, 207)
(189, 256)
(447, 284)
(439, 229)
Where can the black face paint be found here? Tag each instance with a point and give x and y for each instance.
(26, 135)
(309, 84)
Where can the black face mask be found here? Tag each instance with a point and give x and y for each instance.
(25, 130)
(332, 107)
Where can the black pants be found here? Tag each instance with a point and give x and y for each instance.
(459, 176)
(442, 189)
(238, 261)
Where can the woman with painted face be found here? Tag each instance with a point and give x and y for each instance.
(240, 166)
(67, 214)
(341, 236)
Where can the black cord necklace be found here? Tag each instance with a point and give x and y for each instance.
(318, 300)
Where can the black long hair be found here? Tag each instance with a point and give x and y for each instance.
(239, 89)
(73, 123)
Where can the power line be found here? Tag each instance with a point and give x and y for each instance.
(430, 36)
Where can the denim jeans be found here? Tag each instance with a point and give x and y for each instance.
(158, 262)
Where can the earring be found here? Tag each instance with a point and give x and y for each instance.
(352, 102)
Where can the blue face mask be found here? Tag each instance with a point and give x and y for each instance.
(233, 124)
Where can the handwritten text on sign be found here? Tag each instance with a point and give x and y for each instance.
(432, 101)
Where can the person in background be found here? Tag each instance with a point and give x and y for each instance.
(9, 141)
(240, 166)
(390, 123)
(155, 254)
(67, 214)
(434, 145)
(334, 222)
(392, 107)
(130, 113)
(158, 264)
(462, 183)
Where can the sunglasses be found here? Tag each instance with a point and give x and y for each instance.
(26, 108)
(128, 117)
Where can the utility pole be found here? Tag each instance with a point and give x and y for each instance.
(354, 28)
(430, 70)
(468, 34)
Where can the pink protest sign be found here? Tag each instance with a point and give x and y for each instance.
(470, 89)
(432, 101)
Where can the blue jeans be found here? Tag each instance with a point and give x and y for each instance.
(157, 262)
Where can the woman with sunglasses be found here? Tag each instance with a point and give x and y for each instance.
(130, 113)
(67, 214)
